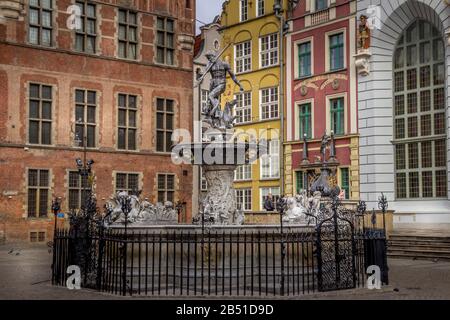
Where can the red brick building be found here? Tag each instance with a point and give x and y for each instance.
(321, 89)
(118, 76)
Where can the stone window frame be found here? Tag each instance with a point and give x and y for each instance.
(328, 36)
(38, 188)
(166, 189)
(127, 41)
(85, 18)
(140, 177)
(53, 29)
(78, 188)
(38, 234)
(97, 115)
(164, 130)
(404, 174)
(127, 127)
(246, 195)
(343, 95)
(165, 47)
(40, 119)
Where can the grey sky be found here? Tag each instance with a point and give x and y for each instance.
(207, 10)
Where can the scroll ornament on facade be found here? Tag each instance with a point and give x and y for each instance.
(11, 9)
(362, 58)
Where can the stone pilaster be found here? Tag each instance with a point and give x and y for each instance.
(354, 168)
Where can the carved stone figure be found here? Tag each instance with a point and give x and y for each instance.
(364, 33)
(219, 205)
(301, 209)
(323, 146)
(142, 212)
(218, 70)
(295, 211)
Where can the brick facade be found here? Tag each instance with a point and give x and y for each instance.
(66, 70)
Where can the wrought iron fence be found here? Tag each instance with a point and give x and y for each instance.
(332, 254)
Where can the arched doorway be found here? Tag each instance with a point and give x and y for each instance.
(419, 107)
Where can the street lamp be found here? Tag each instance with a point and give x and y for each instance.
(56, 207)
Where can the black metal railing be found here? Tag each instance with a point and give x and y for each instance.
(332, 254)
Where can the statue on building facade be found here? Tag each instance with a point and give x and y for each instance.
(364, 33)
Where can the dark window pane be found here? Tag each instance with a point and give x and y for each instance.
(34, 109)
(79, 96)
(168, 141)
(160, 104)
(46, 132)
(122, 100)
(43, 178)
(160, 141)
(79, 113)
(169, 122)
(32, 194)
(47, 92)
(413, 184)
(91, 137)
(122, 139)
(34, 91)
(440, 153)
(160, 120)
(439, 123)
(132, 102)
(132, 118)
(46, 110)
(427, 154)
(131, 139)
(91, 97)
(413, 155)
(34, 132)
(122, 117)
(32, 178)
(401, 185)
(441, 183)
(427, 184)
(169, 105)
(121, 183)
(91, 114)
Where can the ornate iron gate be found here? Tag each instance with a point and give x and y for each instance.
(336, 249)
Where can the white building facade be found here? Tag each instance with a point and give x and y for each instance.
(403, 109)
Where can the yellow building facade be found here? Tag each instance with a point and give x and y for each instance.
(251, 39)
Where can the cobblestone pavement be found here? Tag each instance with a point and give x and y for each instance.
(25, 274)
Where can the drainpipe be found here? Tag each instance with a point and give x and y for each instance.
(278, 10)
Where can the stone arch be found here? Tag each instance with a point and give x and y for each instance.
(268, 28)
(375, 97)
(242, 36)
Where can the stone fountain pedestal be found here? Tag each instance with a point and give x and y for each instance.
(220, 205)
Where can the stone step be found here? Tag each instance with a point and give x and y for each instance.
(420, 252)
(444, 239)
(416, 256)
(419, 248)
(419, 244)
